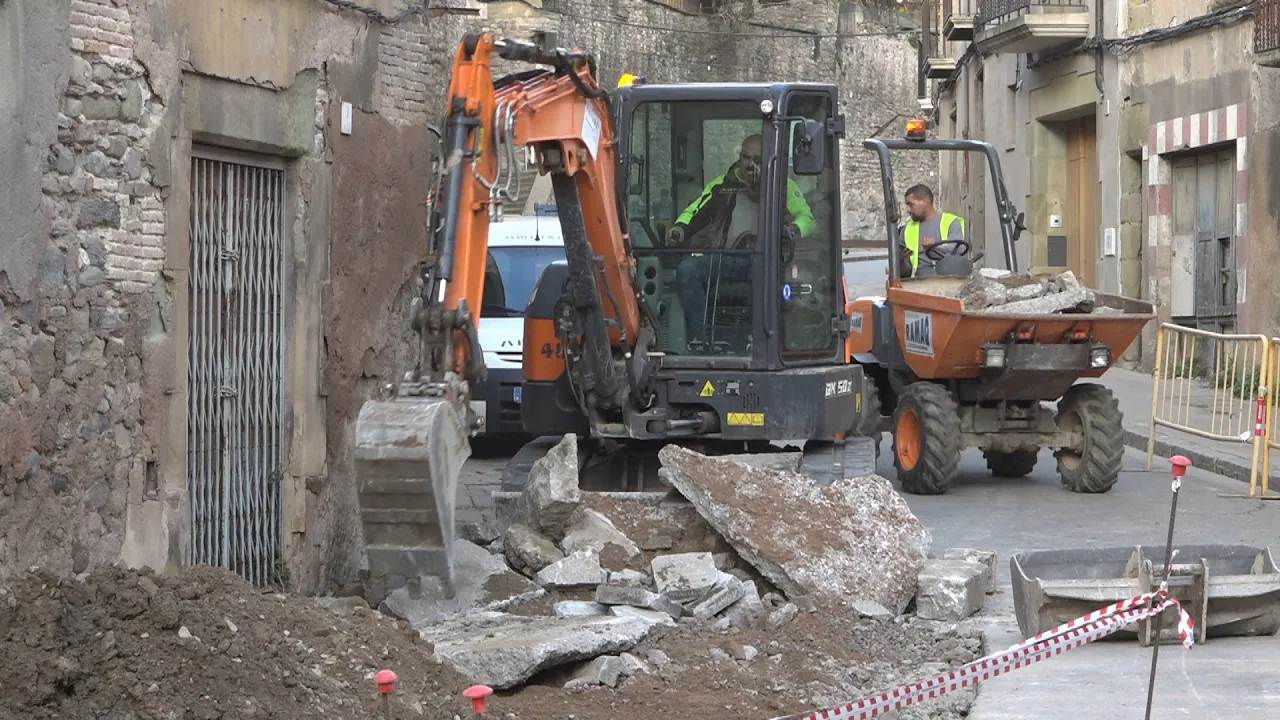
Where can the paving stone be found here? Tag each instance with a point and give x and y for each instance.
(503, 651)
(656, 617)
(638, 597)
(727, 591)
(528, 550)
(578, 571)
(986, 558)
(687, 577)
(950, 589)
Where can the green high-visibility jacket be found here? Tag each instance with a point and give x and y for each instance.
(911, 235)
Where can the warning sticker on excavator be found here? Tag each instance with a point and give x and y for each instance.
(591, 129)
(708, 390)
(745, 418)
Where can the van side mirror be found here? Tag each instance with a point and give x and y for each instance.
(809, 149)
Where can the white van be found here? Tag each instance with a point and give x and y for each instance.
(520, 248)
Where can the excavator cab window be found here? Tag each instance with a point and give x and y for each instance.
(811, 268)
(698, 183)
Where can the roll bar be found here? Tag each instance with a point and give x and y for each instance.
(1011, 221)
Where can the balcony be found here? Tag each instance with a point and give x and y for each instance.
(1030, 26)
(938, 57)
(1266, 33)
(957, 20)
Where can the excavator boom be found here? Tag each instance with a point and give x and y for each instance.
(411, 444)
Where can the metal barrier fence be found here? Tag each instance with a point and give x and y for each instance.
(1215, 386)
(1273, 427)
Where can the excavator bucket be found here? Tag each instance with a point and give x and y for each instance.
(408, 456)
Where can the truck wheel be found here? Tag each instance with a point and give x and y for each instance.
(926, 439)
(1091, 410)
(871, 409)
(1016, 464)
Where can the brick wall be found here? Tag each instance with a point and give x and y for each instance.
(409, 57)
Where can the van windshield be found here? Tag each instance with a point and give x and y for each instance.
(510, 274)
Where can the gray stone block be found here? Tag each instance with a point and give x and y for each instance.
(950, 589)
(687, 577)
(986, 558)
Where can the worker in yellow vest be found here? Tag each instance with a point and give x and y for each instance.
(928, 226)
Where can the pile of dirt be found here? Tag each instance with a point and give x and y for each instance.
(204, 644)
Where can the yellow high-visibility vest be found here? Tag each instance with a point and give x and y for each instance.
(912, 235)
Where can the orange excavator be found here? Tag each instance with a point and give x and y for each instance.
(701, 299)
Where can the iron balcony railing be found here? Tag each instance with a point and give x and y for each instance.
(995, 12)
(1266, 26)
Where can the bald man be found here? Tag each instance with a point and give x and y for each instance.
(729, 207)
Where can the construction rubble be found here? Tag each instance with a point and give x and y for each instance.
(744, 588)
(1000, 292)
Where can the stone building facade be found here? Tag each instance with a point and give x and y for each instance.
(212, 217)
(1134, 134)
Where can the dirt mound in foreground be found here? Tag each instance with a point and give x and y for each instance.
(203, 644)
(130, 645)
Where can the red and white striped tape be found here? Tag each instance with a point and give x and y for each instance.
(1053, 642)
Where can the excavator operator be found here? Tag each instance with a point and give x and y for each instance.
(727, 214)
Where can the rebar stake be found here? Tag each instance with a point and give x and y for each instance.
(1180, 464)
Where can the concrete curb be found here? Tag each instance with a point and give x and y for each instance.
(1233, 469)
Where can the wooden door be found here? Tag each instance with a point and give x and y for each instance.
(1081, 212)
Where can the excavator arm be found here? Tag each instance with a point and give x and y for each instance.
(410, 446)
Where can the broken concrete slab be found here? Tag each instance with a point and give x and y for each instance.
(577, 571)
(789, 461)
(728, 590)
(503, 651)
(606, 670)
(579, 608)
(551, 494)
(868, 608)
(1080, 301)
(853, 538)
(482, 581)
(747, 611)
(656, 617)
(986, 558)
(633, 665)
(638, 597)
(629, 578)
(687, 577)
(950, 589)
(589, 530)
(657, 521)
(528, 550)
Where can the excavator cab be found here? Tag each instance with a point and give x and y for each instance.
(732, 200)
(733, 195)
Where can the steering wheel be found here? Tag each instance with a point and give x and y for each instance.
(934, 253)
